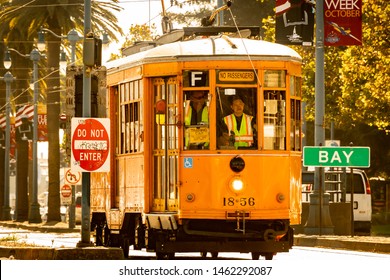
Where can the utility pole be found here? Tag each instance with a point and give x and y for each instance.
(85, 180)
(318, 221)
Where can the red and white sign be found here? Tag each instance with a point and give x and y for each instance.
(66, 191)
(72, 178)
(90, 145)
(66, 194)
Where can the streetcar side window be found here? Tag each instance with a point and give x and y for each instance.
(131, 126)
(274, 120)
(196, 120)
(236, 118)
(295, 117)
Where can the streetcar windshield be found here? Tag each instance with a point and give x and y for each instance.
(236, 118)
(196, 120)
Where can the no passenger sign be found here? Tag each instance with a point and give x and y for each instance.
(90, 145)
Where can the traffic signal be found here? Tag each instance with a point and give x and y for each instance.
(24, 132)
(92, 51)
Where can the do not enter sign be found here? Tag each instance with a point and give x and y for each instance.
(90, 145)
(66, 194)
(66, 191)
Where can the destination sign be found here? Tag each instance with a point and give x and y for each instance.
(227, 76)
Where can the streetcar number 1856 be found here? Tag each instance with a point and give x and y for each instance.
(242, 201)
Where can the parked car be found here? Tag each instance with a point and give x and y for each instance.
(338, 185)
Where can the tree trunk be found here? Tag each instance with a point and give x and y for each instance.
(53, 114)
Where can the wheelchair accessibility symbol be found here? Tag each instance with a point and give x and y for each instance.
(188, 162)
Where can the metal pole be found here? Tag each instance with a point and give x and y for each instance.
(34, 210)
(221, 14)
(73, 37)
(34, 216)
(85, 199)
(319, 217)
(352, 205)
(6, 216)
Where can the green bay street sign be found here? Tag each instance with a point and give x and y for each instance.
(324, 156)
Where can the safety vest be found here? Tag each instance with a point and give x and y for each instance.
(188, 114)
(243, 137)
(188, 117)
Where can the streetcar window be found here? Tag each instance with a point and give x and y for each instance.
(295, 118)
(236, 118)
(196, 120)
(131, 127)
(274, 120)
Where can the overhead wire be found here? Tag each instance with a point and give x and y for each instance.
(246, 50)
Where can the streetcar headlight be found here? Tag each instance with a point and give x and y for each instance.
(236, 184)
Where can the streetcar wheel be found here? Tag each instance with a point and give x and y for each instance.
(139, 235)
(255, 255)
(126, 247)
(268, 256)
(203, 254)
(99, 236)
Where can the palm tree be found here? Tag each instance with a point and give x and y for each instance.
(27, 17)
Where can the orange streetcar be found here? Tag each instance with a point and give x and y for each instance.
(205, 149)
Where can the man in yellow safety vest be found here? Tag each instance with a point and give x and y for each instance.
(196, 113)
(239, 127)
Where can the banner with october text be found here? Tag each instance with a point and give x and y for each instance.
(342, 22)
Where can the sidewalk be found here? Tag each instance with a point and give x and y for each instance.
(59, 227)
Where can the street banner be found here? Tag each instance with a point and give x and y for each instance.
(294, 22)
(42, 123)
(342, 22)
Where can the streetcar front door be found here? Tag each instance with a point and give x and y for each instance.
(165, 145)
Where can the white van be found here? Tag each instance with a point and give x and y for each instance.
(338, 185)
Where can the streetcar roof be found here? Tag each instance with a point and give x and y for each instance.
(207, 48)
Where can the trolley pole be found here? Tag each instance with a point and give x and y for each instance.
(85, 189)
(319, 221)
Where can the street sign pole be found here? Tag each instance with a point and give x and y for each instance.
(319, 217)
(85, 189)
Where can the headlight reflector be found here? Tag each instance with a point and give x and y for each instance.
(236, 184)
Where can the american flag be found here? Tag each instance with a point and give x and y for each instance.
(3, 121)
(25, 110)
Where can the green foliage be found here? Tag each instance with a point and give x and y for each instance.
(138, 33)
(365, 74)
(189, 13)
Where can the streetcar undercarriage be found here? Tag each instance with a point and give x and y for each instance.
(162, 235)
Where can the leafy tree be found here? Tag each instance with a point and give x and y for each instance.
(189, 12)
(136, 33)
(365, 74)
(23, 19)
(356, 86)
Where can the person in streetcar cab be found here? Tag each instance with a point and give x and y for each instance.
(238, 128)
(196, 110)
(196, 114)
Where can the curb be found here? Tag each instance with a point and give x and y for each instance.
(32, 253)
(334, 243)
